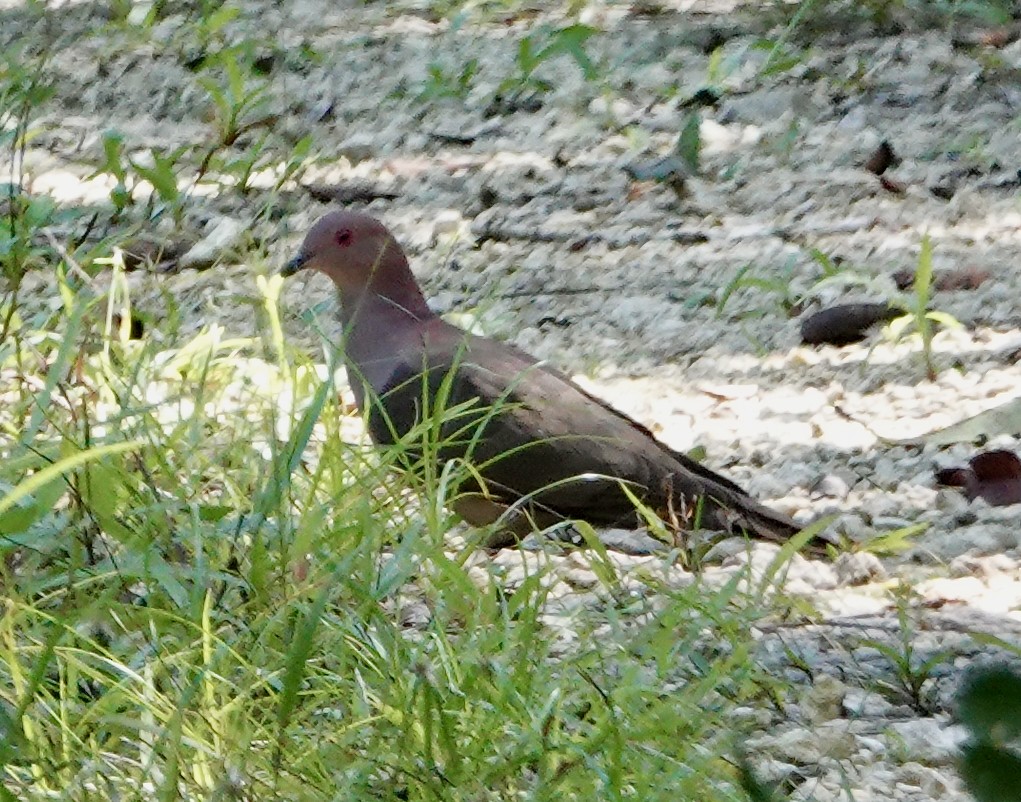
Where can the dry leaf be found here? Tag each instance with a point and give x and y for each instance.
(994, 476)
(845, 324)
(882, 159)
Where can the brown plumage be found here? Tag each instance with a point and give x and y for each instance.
(543, 446)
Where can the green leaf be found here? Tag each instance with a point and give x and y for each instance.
(829, 269)
(602, 566)
(527, 60)
(898, 327)
(217, 95)
(923, 274)
(12, 738)
(944, 319)
(212, 513)
(20, 518)
(896, 541)
(43, 477)
(989, 703)
(235, 77)
(731, 287)
(219, 18)
(161, 175)
(297, 657)
(103, 492)
(276, 485)
(120, 197)
(165, 575)
(989, 12)
(714, 72)
(113, 155)
(571, 40)
(17, 520)
(991, 773)
(689, 143)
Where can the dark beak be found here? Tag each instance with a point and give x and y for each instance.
(295, 265)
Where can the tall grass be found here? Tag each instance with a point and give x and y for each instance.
(206, 595)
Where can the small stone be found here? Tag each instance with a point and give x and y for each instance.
(358, 148)
(631, 541)
(415, 615)
(854, 528)
(822, 701)
(932, 783)
(873, 745)
(929, 741)
(581, 578)
(858, 703)
(807, 746)
(868, 654)
(858, 568)
(718, 138)
(987, 566)
(615, 109)
(480, 578)
(446, 222)
(138, 13)
(887, 523)
(830, 486)
(444, 301)
(664, 119)
(759, 717)
(965, 589)
(855, 120)
(806, 576)
(221, 240)
(321, 110)
(775, 771)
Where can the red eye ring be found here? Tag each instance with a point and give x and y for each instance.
(343, 237)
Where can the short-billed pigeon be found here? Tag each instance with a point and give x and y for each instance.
(541, 448)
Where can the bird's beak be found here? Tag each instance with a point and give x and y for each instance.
(295, 265)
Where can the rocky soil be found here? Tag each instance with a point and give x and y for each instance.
(528, 224)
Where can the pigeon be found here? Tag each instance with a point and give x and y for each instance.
(538, 449)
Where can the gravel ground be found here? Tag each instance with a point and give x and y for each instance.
(530, 227)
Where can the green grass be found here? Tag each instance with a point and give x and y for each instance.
(203, 593)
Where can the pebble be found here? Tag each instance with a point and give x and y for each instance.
(858, 568)
(358, 147)
(830, 486)
(217, 245)
(822, 702)
(859, 703)
(630, 541)
(929, 741)
(805, 746)
(447, 222)
(982, 566)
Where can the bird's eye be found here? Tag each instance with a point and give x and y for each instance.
(343, 237)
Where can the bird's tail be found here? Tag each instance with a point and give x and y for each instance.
(726, 506)
(741, 514)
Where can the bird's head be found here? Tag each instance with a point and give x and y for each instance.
(352, 248)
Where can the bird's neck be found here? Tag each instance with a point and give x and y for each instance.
(378, 329)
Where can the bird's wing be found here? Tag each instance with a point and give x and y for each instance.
(530, 431)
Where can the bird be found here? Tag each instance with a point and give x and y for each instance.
(540, 448)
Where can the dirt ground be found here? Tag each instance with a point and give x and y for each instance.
(529, 224)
